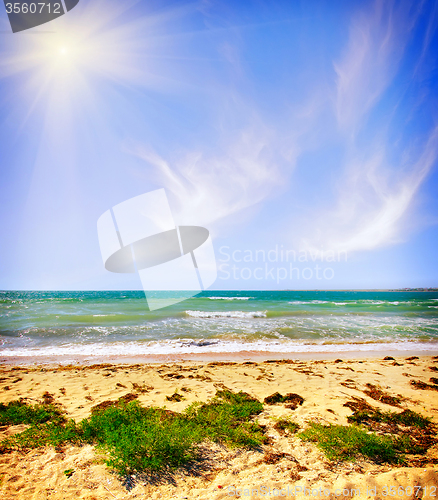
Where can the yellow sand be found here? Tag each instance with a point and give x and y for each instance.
(324, 385)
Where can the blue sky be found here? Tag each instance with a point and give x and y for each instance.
(303, 126)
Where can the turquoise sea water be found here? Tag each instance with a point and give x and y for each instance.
(119, 323)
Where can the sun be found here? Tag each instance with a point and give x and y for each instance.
(106, 45)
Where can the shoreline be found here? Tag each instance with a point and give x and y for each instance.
(204, 357)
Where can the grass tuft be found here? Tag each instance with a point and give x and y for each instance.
(227, 419)
(293, 398)
(18, 412)
(285, 425)
(341, 442)
(46, 434)
(406, 417)
(175, 397)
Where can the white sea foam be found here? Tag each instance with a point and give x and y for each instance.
(187, 346)
(297, 302)
(226, 314)
(229, 298)
(353, 302)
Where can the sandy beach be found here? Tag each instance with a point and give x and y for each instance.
(218, 269)
(285, 466)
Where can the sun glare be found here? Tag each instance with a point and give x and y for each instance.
(101, 44)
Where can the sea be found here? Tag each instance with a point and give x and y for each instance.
(98, 324)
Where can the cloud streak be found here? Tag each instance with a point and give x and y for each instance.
(206, 188)
(372, 207)
(375, 48)
(374, 195)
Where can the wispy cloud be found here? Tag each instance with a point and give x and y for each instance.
(372, 205)
(377, 40)
(208, 187)
(375, 194)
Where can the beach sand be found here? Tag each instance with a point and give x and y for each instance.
(279, 468)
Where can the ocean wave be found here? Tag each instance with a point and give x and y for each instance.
(304, 302)
(226, 314)
(229, 298)
(371, 302)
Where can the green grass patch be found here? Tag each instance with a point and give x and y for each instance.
(341, 442)
(175, 397)
(18, 412)
(275, 398)
(407, 417)
(46, 434)
(138, 439)
(227, 419)
(285, 425)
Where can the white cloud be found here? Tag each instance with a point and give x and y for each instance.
(374, 195)
(208, 187)
(376, 44)
(371, 206)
